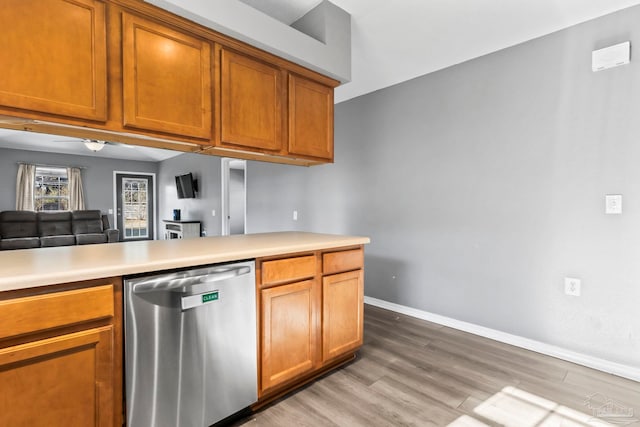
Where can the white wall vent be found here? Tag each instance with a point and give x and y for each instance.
(611, 56)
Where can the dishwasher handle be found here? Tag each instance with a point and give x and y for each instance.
(169, 283)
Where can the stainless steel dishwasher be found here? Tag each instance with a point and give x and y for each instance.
(190, 345)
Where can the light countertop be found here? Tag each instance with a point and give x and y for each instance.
(27, 268)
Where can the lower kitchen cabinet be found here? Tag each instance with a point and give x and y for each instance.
(311, 316)
(62, 368)
(60, 381)
(342, 313)
(289, 332)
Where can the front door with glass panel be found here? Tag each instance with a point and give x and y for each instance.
(135, 206)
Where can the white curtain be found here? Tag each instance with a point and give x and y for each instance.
(76, 193)
(24, 187)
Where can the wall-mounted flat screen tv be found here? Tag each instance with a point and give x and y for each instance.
(187, 186)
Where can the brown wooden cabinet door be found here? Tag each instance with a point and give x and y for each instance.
(62, 381)
(342, 313)
(166, 79)
(54, 57)
(310, 118)
(251, 103)
(289, 342)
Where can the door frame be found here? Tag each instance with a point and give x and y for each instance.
(155, 199)
(225, 166)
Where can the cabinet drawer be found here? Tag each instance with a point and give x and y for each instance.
(41, 312)
(288, 269)
(337, 262)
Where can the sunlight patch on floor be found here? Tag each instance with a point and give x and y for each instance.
(513, 407)
(467, 421)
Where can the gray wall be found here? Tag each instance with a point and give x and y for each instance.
(206, 169)
(482, 186)
(97, 175)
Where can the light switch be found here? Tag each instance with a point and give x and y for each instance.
(295, 215)
(572, 286)
(613, 204)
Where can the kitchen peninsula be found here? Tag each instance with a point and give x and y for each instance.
(61, 309)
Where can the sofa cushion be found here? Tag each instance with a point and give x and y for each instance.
(90, 238)
(64, 240)
(20, 243)
(17, 224)
(54, 223)
(89, 221)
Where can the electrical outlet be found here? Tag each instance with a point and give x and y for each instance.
(572, 286)
(213, 212)
(613, 204)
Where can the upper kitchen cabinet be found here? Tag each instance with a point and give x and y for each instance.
(54, 58)
(251, 103)
(128, 71)
(166, 79)
(310, 118)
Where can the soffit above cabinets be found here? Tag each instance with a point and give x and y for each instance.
(285, 11)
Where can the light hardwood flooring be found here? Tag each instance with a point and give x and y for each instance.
(415, 373)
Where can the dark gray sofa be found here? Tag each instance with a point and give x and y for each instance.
(26, 229)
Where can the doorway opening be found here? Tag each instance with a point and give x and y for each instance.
(234, 196)
(134, 201)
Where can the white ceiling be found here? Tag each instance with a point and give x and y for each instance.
(32, 141)
(392, 41)
(396, 40)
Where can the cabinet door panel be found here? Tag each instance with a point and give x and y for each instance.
(61, 381)
(54, 57)
(289, 340)
(251, 103)
(166, 79)
(342, 313)
(310, 118)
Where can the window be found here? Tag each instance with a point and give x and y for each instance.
(51, 192)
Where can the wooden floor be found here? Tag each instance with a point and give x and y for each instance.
(415, 373)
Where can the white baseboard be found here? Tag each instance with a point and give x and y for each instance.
(619, 369)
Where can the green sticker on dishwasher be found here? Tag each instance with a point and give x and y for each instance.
(210, 297)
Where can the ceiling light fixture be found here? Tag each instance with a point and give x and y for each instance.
(94, 144)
